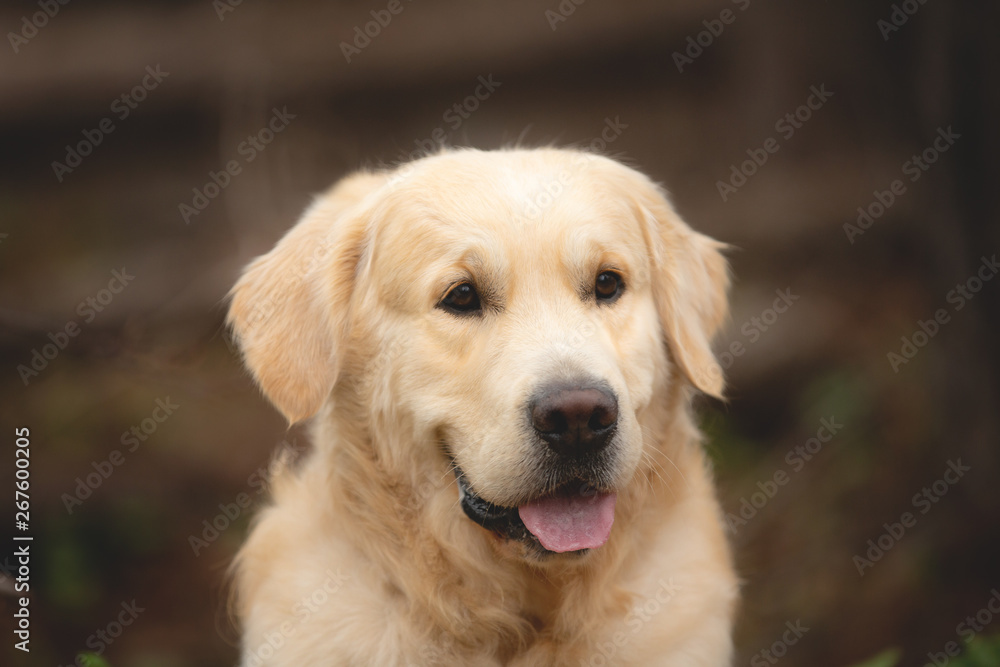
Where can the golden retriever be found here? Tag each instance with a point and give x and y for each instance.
(498, 351)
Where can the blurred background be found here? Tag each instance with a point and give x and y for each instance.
(847, 149)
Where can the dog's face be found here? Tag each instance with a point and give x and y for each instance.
(513, 309)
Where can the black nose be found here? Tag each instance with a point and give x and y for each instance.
(575, 420)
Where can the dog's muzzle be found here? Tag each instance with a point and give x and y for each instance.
(575, 518)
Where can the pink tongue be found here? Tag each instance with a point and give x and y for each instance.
(570, 523)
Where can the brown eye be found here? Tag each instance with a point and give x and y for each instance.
(461, 299)
(608, 286)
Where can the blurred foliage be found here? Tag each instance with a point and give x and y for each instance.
(888, 658)
(980, 652)
(92, 660)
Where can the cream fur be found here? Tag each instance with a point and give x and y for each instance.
(365, 557)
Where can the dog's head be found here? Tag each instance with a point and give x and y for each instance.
(512, 314)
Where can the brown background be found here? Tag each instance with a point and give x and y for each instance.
(825, 357)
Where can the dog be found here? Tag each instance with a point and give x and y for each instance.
(498, 352)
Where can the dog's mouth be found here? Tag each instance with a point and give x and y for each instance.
(574, 518)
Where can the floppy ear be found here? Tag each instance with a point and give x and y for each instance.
(690, 284)
(288, 310)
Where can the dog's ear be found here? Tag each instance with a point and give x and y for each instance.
(289, 309)
(690, 280)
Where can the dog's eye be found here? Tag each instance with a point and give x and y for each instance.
(460, 299)
(608, 286)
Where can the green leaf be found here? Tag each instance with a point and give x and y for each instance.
(92, 660)
(887, 658)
